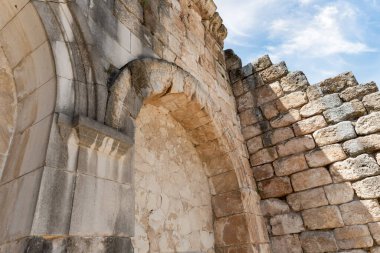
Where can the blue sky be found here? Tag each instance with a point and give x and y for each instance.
(322, 38)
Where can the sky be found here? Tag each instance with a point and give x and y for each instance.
(323, 38)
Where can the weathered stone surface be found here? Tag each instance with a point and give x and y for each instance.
(274, 72)
(272, 207)
(307, 199)
(325, 155)
(245, 102)
(372, 102)
(250, 117)
(309, 125)
(227, 204)
(366, 144)
(318, 241)
(358, 92)
(239, 88)
(319, 105)
(264, 156)
(289, 165)
(314, 92)
(296, 145)
(368, 188)
(254, 144)
(268, 93)
(262, 63)
(353, 237)
(360, 212)
(290, 223)
(254, 130)
(378, 158)
(270, 110)
(339, 193)
(310, 179)
(333, 134)
(263, 172)
(368, 124)
(374, 228)
(290, 101)
(354, 168)
(347, 111)
(275, 187)
(294, 81)
(322, 218)
(276, 136)
(286, 244)
(338, 83)
(374, 250)
(286, 119)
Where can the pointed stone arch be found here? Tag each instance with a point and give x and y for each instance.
(238, 224)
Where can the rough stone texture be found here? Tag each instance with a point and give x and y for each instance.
(374, 228)
(321, 104)
(254, 144)
(325, 155)
(307, 199)
(322, 218)
(289, 165)
(294, 81)
(339, 193)
(262, 63)
(368, 188)
(274, 72)
(333, 134)
(310, 179)
(358, 92)
(360, 212)
(286, 244)
(336, 84)
(368, 124)
(296, 145)
(276, 136)
(286, 119)
(354, 168)
(276, 187)
(263, 172)
(264, 156)
(367, 144)
(347, 111)
(372, 102)
(289, 223)
(290, 101)
(268, 93)
(309, 125)
(318, 241)
(353, 237)
(272, 207)
(250, 117)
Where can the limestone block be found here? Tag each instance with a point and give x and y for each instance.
(245, 102)
(318, 241)
(310, 178)
(372, 102)
(276, 136)
(268, 93)
(333, 134)
(296, 145)
(366, 144)
(325, 155)
(294, 81)
(368, 124)
(314, 92)
(262, 63)
(270, 110)
(290, 223)
(307, 199)
(224, 182)
(227, 204)
(264, 156)
(338, 83)
(375, 250)
(239, 88)
(309, 125)
(254, 144)
(286, 119)
(354, 168)
(358, 92)
(319, 105)
(263, 172)
(286, 244)
(250, 117)
(275, 187)
(353, 237)
(339, 193)
(322, 218)
(272, 207)
(291, 101)
(368, 188)
(347, 111)
(374, 228)
(254, 130)
(247, 70)
(290, 164)
(274, 72)
(225, 233)
(360, 212)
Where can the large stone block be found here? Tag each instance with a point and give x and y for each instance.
(368, 124)
(309, 125)
(322, 218)
(255, 130)
(261, 63)
(294, 81)
(319, 105)
(283, 224)
(254, 144)
(286, 244)
(291, 101)
(354, 168)
(268, 93)
(274, 72)
(264, 156)
(366, 144)
(339, 193)
(325, 155)
(290, 164)
(245, 102)
(263, 172)
(272, 207)
(353, 237)
(287, 119)
(310, 179)
(318, 242)
(307, 199)
(276, 136)
(360, 212)
(275, 187)
(347, 111)
(333, 134)
(314, 92)
(226, 204)
(296, 145)
(374, 228)
(358, 92)
(270, 110)
(368, 188)
(338, 83)
(250, 117)
(372, 102)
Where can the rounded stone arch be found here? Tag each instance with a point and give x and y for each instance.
(237, 221)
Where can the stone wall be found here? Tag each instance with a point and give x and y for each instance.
(313, 152)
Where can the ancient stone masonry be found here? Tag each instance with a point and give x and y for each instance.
(314, 153)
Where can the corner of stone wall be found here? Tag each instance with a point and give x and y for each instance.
(314, 153)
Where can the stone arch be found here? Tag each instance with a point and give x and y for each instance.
(238, 224)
